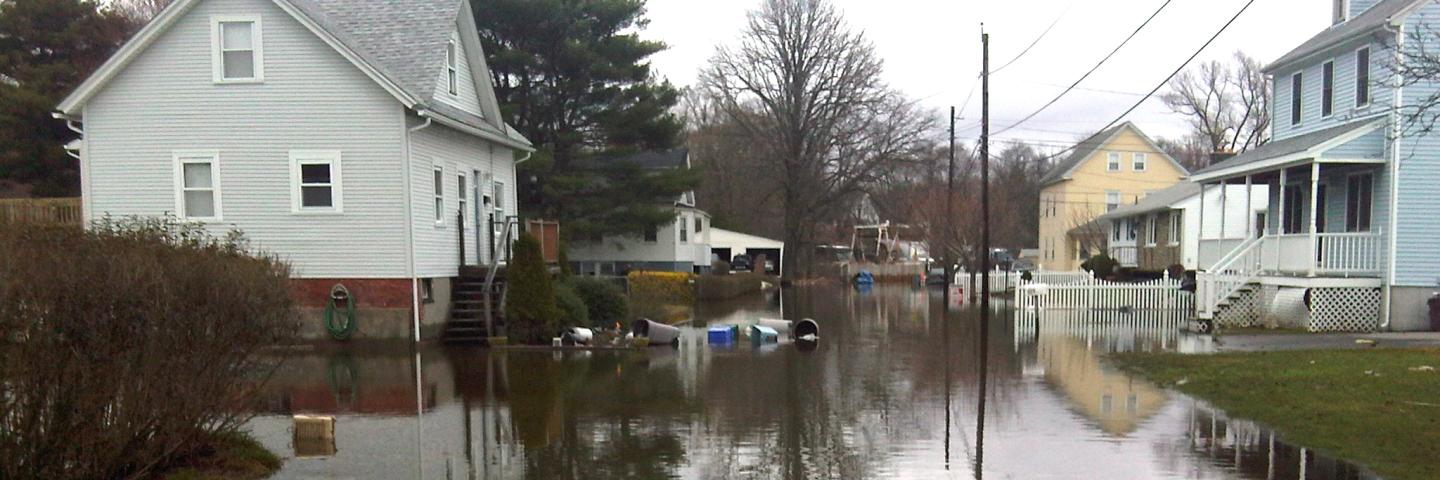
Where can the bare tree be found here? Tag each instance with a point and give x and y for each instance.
(139, 11)
(1227, 104)
(805, 89)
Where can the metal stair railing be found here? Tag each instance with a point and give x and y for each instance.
(490, 283)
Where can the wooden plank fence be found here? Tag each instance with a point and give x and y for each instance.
(50, 211)
(1095, 294)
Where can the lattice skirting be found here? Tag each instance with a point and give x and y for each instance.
(1344, 309)
(1242, 310)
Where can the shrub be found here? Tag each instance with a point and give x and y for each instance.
(573, 311)
(129, 346)
(605, 301)
(531, 314)
(720, 287)
(1101, 265)
(662, 287)
(719, 267)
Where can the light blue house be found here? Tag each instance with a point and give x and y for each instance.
(1351, 240)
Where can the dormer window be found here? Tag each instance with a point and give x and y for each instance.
(1342, 11)
(236, 49)
(451, 69)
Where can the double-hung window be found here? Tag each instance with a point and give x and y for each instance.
(236, 50)
(1362, 77)
(684, 229)
(1327, 89)
(1113, 163)
(1177, 225)
(1150, 233)
(439, 195)
(1138, 161)
(315, 181)
(1112, 200)
(197, 185)
(1115, 228)
(452, 69)
(1296, 82)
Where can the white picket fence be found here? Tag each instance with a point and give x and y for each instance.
(1095, 294)
(1002, 281)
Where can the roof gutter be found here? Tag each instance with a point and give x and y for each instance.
(485, 134)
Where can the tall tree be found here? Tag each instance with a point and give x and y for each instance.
(47, 47)
(574, 78)
(1226, 103)
(805, 89)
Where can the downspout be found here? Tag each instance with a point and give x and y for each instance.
(410, 227)
(84, 169)
(1397, 95)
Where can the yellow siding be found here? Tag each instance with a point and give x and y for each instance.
(1082, 197)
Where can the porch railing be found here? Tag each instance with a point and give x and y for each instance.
(1125, 255)
(1238, 268)
(1357, 253)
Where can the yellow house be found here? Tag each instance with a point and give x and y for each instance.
(1115, 167)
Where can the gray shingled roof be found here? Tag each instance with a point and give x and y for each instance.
(1079, 154)
(1287, 146)
(1371, 19)
(1156, 200)
(405, 40)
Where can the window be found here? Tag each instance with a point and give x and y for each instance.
(315, 181)
(1362, 77)
(1327, 89)
(1359, 193)
(652, 234)
(1112, 200)
(1137, 161)
(236, 49)
(699, 225)
(439, 196)
(1296, 81)
(1341, 11)
(1130, 229)
(427, 290)
(684, 229)
(497, 224)
(1177, 225)
(1150, 233)
(451, 70)
(197, 182)
(1114, 164)
(462, 200)
(1115, 230)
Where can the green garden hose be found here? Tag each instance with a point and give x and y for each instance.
(340, 332)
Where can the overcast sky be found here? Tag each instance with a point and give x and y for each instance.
(931, 50)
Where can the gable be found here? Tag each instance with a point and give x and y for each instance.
(463, 93)
(1092, 154)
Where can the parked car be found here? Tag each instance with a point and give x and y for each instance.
(741, 263)
(936, 275)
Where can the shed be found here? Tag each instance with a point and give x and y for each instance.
(726, 244)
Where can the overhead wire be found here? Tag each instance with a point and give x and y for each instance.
(1092, 69)
(1037, 40)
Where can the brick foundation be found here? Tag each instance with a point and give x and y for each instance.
(368, 292)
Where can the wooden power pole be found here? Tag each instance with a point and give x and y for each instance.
(984, 244)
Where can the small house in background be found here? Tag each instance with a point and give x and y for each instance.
(682, 245)
(726, 245)
(1163, 229)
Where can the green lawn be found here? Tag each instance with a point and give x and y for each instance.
(1366, 406)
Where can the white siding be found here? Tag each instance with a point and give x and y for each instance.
(311, 99)
(437, 246)
(465, 97)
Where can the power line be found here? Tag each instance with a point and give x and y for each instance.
(1092, 69)
(1172, 74)
(1037, 40)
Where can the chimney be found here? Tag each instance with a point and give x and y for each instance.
(1220, 156)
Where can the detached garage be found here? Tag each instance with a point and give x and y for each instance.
(726, 244)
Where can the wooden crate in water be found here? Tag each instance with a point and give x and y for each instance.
(314, 436)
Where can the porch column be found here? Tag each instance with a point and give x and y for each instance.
(1314, 215)
(1249, 209)
(1224, 199)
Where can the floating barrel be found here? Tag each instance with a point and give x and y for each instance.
(658, 333)
(807, 331)
(760, 335)
(577, 336)
(781, 326)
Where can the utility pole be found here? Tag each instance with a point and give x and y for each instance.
(946, 240)
(984, 245)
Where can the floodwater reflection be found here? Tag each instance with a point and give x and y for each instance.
(890, 392)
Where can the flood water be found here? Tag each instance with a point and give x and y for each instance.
(890, 392)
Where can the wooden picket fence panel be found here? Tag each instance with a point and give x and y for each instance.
(50, 211)
(1002, 281)
(1095, 294)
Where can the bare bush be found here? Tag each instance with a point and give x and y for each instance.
(129, 345)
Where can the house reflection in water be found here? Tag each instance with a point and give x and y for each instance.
(1116, 402)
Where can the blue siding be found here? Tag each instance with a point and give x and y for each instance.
(1417, 235)
(1372, 145)
(1345, 109)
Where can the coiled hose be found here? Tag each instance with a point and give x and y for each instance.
(339, 293)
